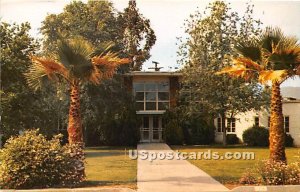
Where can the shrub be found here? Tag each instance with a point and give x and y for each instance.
(279, 173)
(232, 139)
(289, 141)
(256, 136)
(259, 136)
(248, 178)
(32, 161)
(119, 129)
(173, 133)
(198, 131)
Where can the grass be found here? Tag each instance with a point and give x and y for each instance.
(230, 171)
(109, 166)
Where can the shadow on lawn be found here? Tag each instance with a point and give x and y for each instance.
(104, 151)
(94, 183)
(102, 154)
(214, 146)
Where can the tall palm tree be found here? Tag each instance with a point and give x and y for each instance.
(272, 57)
(75, 63)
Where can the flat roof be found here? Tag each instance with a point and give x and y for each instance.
(291, 101)
(153, 73)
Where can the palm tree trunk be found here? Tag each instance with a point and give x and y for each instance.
(277, 135)
(75, 126)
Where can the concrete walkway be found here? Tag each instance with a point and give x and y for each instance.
(172, 175)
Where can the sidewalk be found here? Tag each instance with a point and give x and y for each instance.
(172, 175)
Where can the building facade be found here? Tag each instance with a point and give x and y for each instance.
(154, 93)
(243, 121)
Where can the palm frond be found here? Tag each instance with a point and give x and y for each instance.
(237, 70)
(272, 57)
(106, 65)
(75, 54)
(103, 48)
(272, 75)
(50, 66)
(270, 37)
(250, 49)
(248, 63)
(41, 68)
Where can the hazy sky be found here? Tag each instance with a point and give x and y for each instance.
(166, 17)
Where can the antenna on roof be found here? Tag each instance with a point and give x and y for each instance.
(156, 68)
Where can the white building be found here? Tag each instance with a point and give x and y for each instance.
(243, 121)
(155, 91)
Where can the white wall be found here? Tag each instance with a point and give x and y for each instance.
(293, 111)
(246, 120)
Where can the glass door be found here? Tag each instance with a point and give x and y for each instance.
(145, 129)
(156, 129)
(151, 129)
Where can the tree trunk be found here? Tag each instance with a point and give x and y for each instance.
(75, 126)
(277, 135)
(223, 122)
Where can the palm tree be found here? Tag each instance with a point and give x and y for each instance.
(75, 63)
(272, 57)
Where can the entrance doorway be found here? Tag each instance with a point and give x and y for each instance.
(151, 129)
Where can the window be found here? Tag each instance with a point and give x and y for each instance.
(256, 121)
(286, 124)
(230, 124)
(155, 122)
(219, 125)
(152, 96)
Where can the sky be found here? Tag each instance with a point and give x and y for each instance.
(167, 18)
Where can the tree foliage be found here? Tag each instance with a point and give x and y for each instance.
(95, 21)
(20, 107)
(211, 39)
(109, 115)
(98, 22)
(138, 36)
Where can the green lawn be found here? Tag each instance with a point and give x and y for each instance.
(230, 171)
(110, 166)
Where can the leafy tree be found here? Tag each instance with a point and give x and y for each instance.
(138, 37)
(210, 40)
(97, 22)
(20, 107)
(94, 20)
(109, 115)
(271, 57)
(75, 62)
